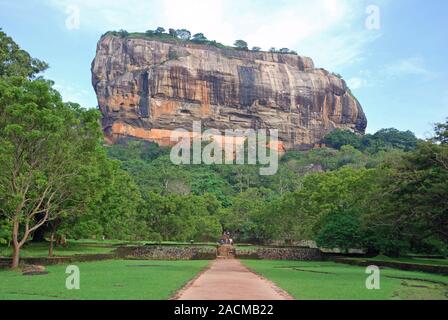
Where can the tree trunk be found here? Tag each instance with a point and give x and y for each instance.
(15, 245)
(15, 255)
(54, 227)
(50, 248)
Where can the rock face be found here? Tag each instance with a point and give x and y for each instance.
(147, 88)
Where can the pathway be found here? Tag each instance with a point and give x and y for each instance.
(229, 279)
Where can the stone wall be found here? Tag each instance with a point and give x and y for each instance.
(280, 254)
(5, 262)
(154, 252)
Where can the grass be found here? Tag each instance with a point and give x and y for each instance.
(41, 250)
(74, 247)
(110, 280)
(332, 281)
(413, 260)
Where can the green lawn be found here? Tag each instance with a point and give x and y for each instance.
(414, 260)
(113, 279)
(72, 248)
(328, 280)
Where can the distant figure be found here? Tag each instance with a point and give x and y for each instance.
(225, 238)
(231, 242)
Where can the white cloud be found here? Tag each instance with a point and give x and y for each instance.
(356, 83)
(409, 67)
(332, 32)
(73, 93)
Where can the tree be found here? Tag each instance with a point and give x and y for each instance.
(412, 200)
(44, 145)
(182, 218)
(113, 211)
(339, 137)
(159, 30)
(199, 37)
(240, 217)
(241, 44)
(123, 33)
(391, 138)
(441, 133)
(256, 49)
(172, 33)
(17, 62)
(273, 50)
(340, 230)
(284, 50)
(183, 34)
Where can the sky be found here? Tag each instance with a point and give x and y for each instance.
(392, 53)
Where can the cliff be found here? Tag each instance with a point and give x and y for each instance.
(146, 88)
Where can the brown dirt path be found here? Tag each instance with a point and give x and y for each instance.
(229, 279)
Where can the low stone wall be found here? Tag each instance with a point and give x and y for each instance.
(155, 252)
(280, 254)
(6, 262)
(438, 269)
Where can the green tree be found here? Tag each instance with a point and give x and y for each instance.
(199, 37)
(123, 33)
(17, 62)
(240, 218)
(44, 145)
(113, 211)
(183, 34)
(241, 44)
(441, 133)
(340, 230)
(172, 32)
(410, 208)
(391, 138)
(338, 138)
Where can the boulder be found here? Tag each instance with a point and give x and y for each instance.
(32, 270)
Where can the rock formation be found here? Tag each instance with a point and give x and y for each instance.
(146, 88)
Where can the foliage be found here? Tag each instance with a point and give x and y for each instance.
(441, 132)
(184, 35)
(182, 218)
(340, 230)
(338, 138)
(241, 44)
(17, 62)
(384, 139)
(199, 37)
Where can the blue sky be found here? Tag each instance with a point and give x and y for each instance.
(398, 72)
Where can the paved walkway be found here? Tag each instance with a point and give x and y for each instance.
(229, 279)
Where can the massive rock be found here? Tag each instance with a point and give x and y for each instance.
(146, 88)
